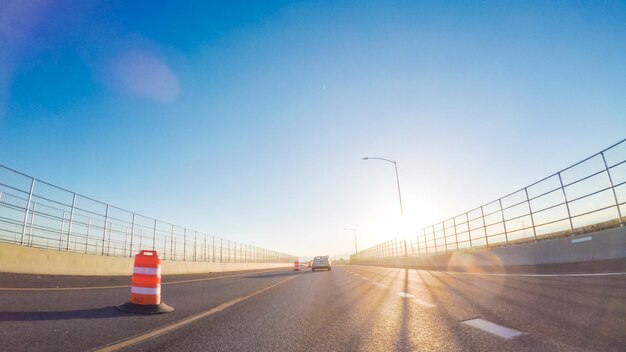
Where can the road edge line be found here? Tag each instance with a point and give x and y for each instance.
(26, 289)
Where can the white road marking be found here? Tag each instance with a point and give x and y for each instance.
(171, 327)
(423, 303)
(538, 275)
(380, 285)
(125, 286)
(405, 294)
(493, 328)
(532, 275)
(582, 239)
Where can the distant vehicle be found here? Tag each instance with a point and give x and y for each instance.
(321, 262)
(310, 263)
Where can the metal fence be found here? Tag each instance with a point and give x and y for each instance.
(35, 213)
(587, 196)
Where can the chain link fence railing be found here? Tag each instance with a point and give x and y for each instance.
(585, 197)
(35, 213)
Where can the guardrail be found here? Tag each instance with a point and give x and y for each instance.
(587, 196)
(38, 214)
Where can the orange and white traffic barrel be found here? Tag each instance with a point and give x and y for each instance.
(296, 266)
(145, 292)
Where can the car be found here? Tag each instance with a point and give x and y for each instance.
(321, 262)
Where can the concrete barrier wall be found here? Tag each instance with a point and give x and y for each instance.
(28, 260)
(602, 245)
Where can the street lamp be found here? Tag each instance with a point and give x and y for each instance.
(353, 230)
(397, 178)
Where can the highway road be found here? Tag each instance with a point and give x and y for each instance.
(351, 308)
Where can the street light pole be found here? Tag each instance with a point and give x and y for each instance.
(395, 164)
(356, 251)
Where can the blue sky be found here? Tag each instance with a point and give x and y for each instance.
(249, 119)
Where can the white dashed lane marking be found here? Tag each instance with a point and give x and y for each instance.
(493, 328)
(581, 239)
(423, 303)
(416, 300)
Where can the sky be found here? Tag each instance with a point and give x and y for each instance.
(249, 120)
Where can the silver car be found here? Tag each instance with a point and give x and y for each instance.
(321, 262)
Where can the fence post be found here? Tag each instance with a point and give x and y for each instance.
(185, 244)
(569, 214)
(506, 235)
(125, 240)
(419, 251)
(87, 236)
(530, 211)
(109, 239)
(61, 232)
(104, 227)
(608, 173)
(33, 212)
(213, 248)
(456, 236)
(469, 232)
(174, 246)
(434, 239)
(165, 247)
(69, 228)
(425, 240)
(154, 234)
(195, 244)
(132, 234)
(445, 239)
(482, 213)
(30, 198)
(172, 252)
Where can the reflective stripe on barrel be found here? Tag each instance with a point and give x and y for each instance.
(146, 290)
(147, 271)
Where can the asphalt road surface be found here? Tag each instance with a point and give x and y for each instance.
(351, 308)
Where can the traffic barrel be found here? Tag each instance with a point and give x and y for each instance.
(145, 291)
(296, 266)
